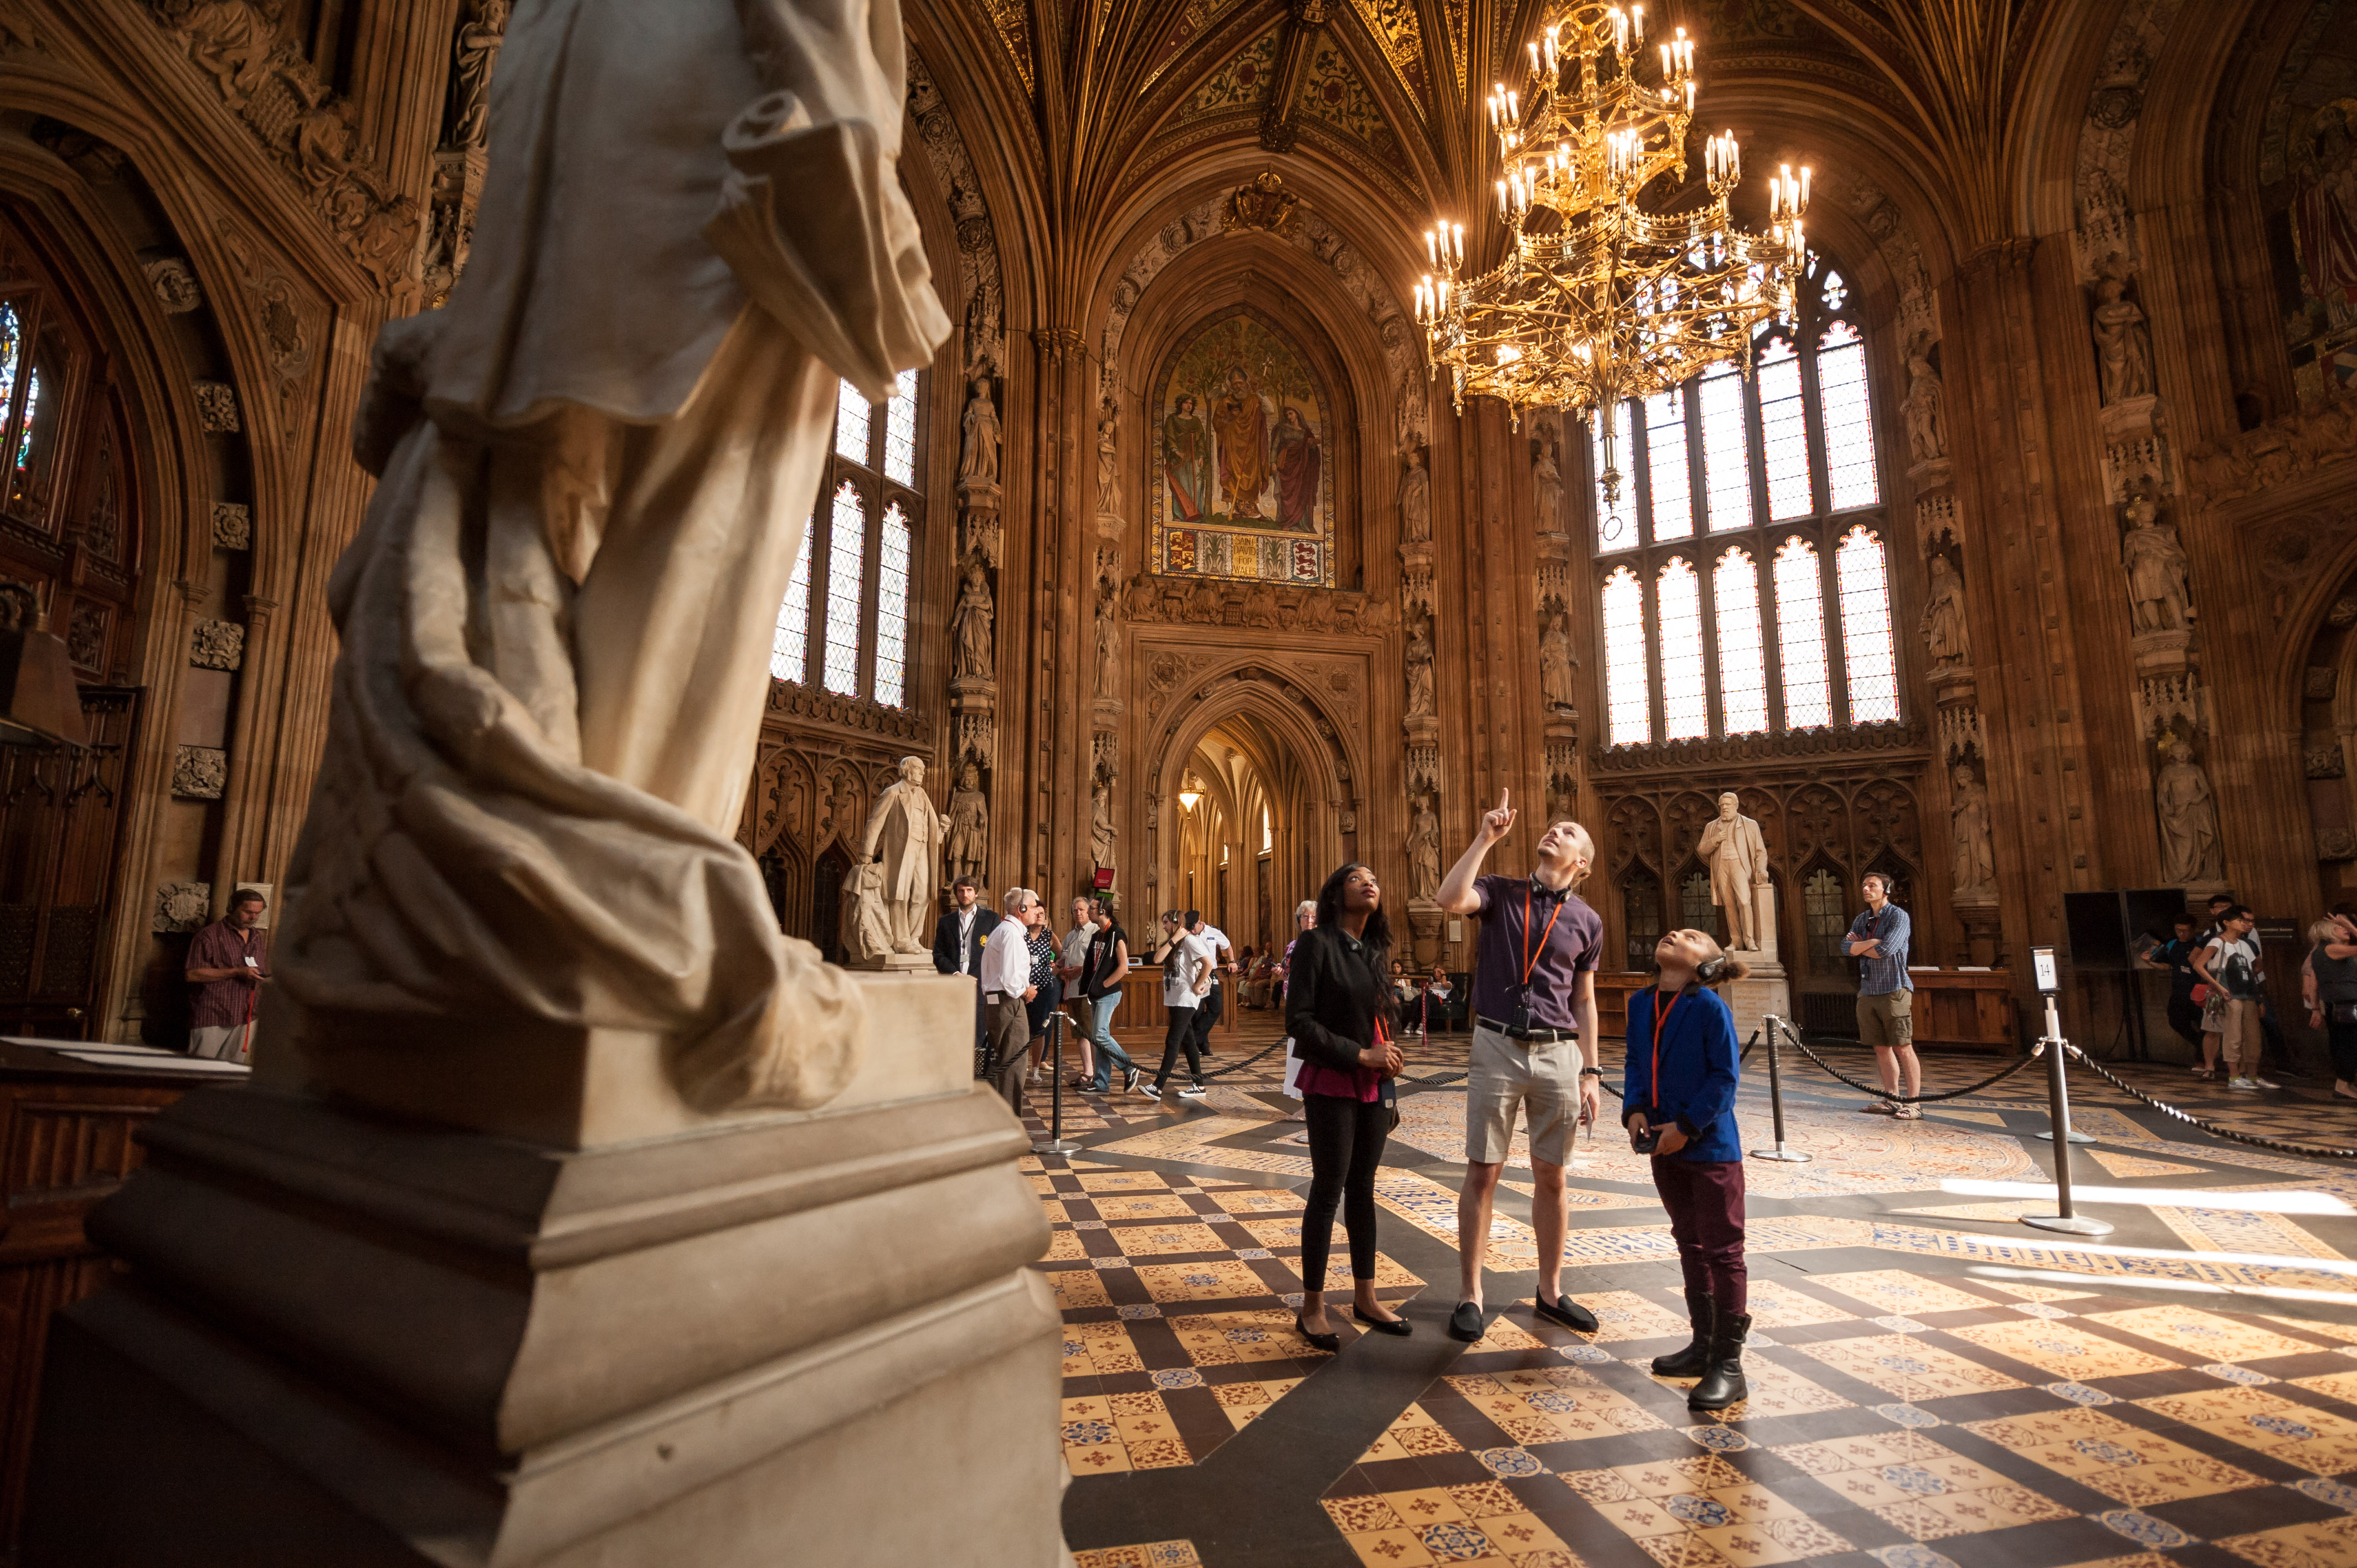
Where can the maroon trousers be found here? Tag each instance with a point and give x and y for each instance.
(1705, 1198)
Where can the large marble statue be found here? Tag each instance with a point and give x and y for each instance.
(1738, 857)
(1546, 488)
(905, 831)
(969, 819)
(1419, 669)
(2190, 851)
(546, 708)
(1424, 852)
(972, 624)
(1927, 435)
(2156, 568)
(1943, 616)
(1557, 687)
(866, 925)
(2123, 342)
(1415, 499)
(1968, 820)
(978, 448)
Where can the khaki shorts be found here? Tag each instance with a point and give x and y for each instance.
(1888, 1019)
(222, 1042)
(1507, 1074)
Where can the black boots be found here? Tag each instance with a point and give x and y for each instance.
(1722, 1380)
(1690, 1361)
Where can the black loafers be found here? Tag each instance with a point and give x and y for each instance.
(1398, 1326)
(1568, 1313)
(1466, 1323)
(1327, 1342)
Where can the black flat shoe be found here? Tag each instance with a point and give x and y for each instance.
(1567, 1312)
(1466, 1323)
(1399, 1326)
(1327, 1342)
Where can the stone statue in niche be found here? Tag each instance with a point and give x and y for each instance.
(1415, 499)
(1103, 834)
(905, 831)
(1943, 617)
(533, 776)
(2156, 568)
(478, 51)
(1546, 486)
(973, 621)
(1737, 854)
(1927, 435)
(1420, 669)
(1424, 852)
(1108, 474)
(2188, 811)
(866, 925)
(979, 450)
(969, 826)
(1976, 849)
(1108, 648)
(1556, 665)
(2122, 341)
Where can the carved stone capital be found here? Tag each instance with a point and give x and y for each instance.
(200, 773)
(232, 526)
(182, 907)
(217, 645)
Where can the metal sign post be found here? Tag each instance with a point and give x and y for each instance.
(2050, 980)
(2058, 1113)
(1055, 1144)
(1776, 1101)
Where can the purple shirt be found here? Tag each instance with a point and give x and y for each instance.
(1575, 943)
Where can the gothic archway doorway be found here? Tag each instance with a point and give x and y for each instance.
(1246, 824)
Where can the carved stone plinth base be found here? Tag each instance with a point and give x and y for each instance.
(1423, 919)
(1982, 926)
(352, 1339)
(2161, 652)
(1758, 994)
(896, 963)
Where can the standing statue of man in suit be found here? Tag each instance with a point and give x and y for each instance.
(1738, 857)
(908, 829)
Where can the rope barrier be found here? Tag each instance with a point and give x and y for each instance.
(1794, 1037)
(2210, 1127)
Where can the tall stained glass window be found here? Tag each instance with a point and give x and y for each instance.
(1783, 623)
(892, 607)
(845, 616)
(1630, 704)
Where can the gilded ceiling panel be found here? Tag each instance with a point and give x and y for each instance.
(1334, 92)
(1194, 18)
(1395, 26)
(1013, 20)
(1241, 85)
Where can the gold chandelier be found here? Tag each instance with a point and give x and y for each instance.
(1606, 296)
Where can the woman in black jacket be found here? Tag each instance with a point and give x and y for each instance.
(1339, 1012)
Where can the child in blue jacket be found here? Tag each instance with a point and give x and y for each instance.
(1678, 1103)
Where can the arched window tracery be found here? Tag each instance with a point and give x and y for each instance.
(846, 611)
(1783, 623)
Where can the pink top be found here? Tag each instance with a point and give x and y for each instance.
(1358, 1083)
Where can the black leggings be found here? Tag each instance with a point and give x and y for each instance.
(2343, 1040)
(1346, 1145)
(1180, 1033)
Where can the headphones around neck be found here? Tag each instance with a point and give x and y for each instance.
(1710, 968)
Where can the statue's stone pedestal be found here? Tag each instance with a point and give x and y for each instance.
(1423, 919)
(1766, 989)
(565, 1329)
(895, 963)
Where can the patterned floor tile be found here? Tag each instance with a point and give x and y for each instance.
(2130, 1166)
(2062, 1349)
(1098, 1349)
(1553, 1404)
(2232, 1230)
(1432, 1208)
(1229, 1339)
(1777, 1306)
(1116, 1206)
(1907, 1367)
(2285, 1429)
(1157, 1555)
(1635, 1315)
(1245, 1402)
(1919, 1486)
(2204, 1335)
(1258, 1200)
(1900, 1290)
(2327, 1543)
(1160, 1240)
(1213, 1280)
(1414, 1434)
(2125, 1463)
(1105, 1434)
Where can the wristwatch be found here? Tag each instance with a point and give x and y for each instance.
(1591, 1072)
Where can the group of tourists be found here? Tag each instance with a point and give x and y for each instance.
(1534, 1059)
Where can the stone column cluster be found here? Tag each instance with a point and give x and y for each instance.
(1420, 726)
(1558, 665)
(974, 664)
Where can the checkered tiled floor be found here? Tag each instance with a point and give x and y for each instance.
(1933, 1385)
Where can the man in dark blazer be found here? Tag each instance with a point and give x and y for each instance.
(957, 936)
(957, 946)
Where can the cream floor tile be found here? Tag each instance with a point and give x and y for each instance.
(2062, 1349)
(2204, 1335)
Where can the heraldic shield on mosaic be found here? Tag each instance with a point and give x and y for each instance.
(1243, 482)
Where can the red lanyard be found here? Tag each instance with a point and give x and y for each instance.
(1661, 1016)
(1530, 959)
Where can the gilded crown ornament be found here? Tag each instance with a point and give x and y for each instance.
(1619, 279)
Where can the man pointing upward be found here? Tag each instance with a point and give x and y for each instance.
(1533, 1008)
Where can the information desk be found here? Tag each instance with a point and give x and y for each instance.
(67, 1112)
(1954, 1009)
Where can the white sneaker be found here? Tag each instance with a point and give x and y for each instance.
(1194, 1092)
(2241, 1083)
(2264, 1083)
(1148, 1090)
(1129, 1081)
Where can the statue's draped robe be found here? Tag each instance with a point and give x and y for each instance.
(597, 462)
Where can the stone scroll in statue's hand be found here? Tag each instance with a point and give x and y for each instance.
(597, 463)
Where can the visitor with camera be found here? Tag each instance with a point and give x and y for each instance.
(1680, 1073)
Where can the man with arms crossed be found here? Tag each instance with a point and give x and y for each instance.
(1534, 1008)
(1885, 1003)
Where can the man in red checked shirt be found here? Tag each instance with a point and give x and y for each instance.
(228, 962)
(1536, 1047)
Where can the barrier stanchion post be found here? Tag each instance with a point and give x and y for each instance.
(1776, 1101)
(2058, 1111)
(1055, 1144)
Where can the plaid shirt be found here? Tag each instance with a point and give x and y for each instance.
(1884, 970)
